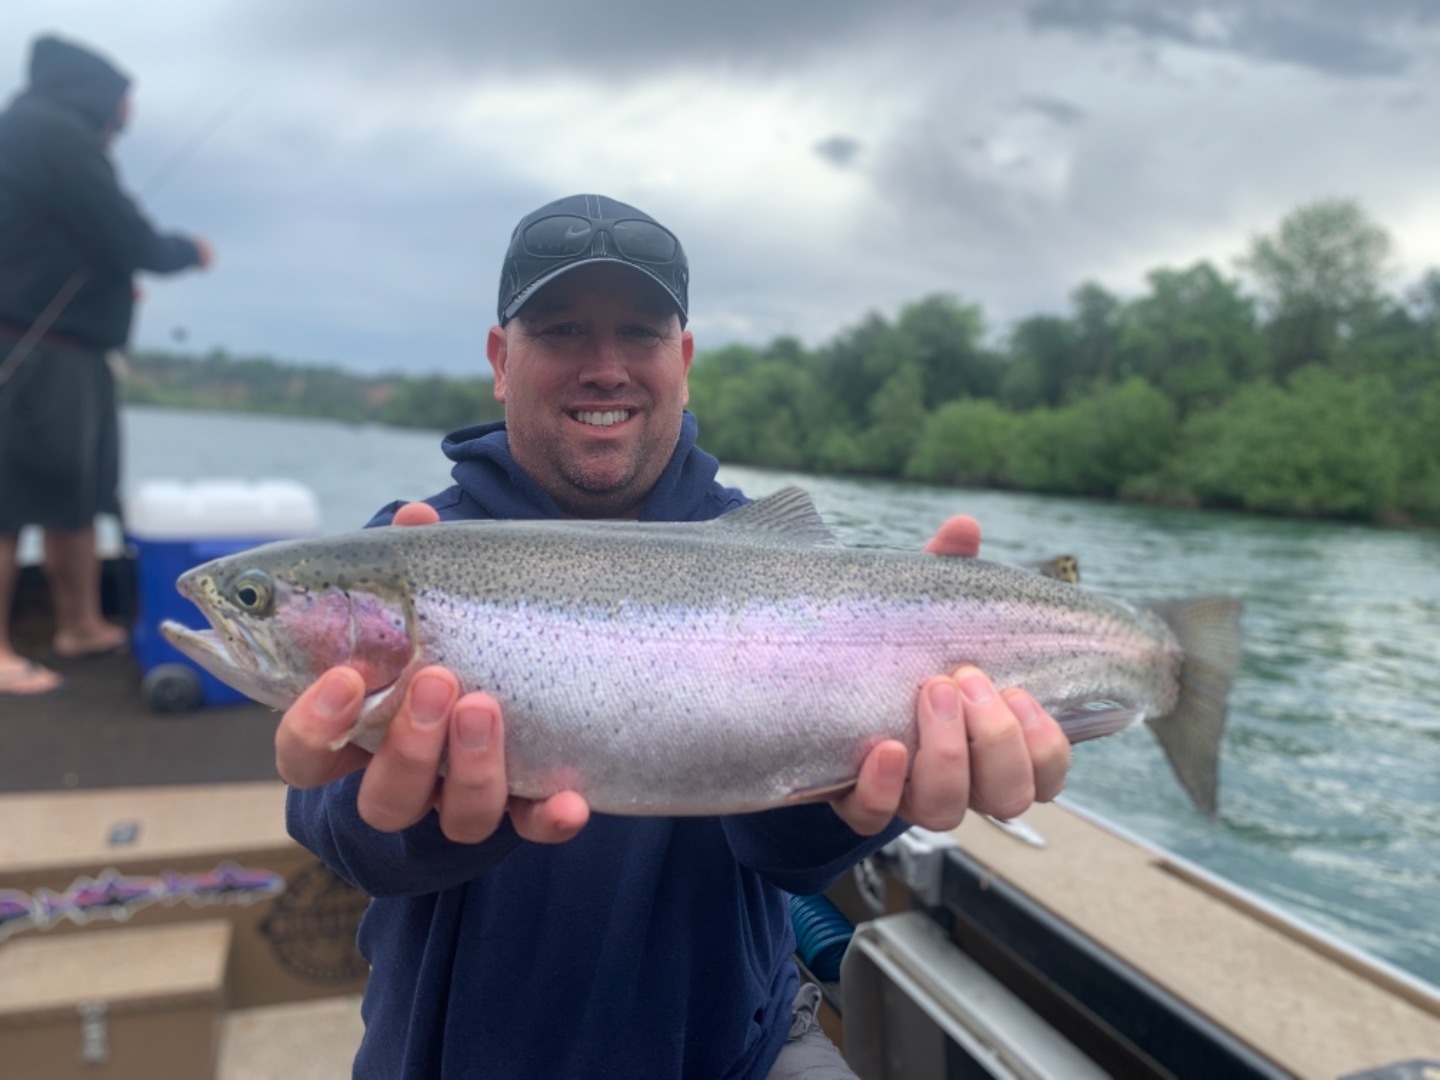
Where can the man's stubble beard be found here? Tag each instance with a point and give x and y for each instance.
(601, 489)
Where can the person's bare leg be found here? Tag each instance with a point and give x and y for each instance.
(73, 569)
(18, 675)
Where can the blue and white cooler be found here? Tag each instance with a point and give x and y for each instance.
(174, 525)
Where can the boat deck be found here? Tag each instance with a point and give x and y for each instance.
(1302, 1000)
(98, 732)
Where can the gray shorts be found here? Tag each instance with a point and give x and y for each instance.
(808, 1052)
(59, 438)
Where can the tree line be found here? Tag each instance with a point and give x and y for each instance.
(1315, 393)
(1311, 392)
(265, 385)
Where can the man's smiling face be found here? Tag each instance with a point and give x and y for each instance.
(593, 373)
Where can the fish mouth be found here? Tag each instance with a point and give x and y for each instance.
(232, 653)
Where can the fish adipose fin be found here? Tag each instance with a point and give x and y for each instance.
(1208, 629)
(1061, 568)
(788, 515)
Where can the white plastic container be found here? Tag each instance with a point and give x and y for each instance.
(235, 509)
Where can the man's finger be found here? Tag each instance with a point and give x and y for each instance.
(1046, 741)
(399, 785)
(1002, 779)
(871, 804)
(939, 789)
(322, 714)
(550, 821)
(960, 535)
(416, 513)
(473, 793)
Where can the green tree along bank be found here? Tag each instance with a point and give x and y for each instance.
(264, 385)
(1306, 390)
(1314, 394)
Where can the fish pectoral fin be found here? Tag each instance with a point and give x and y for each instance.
(1095, 719)
(819, 793)
(378, 710)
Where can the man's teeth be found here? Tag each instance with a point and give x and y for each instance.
(603, 419)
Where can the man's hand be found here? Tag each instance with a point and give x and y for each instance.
(204, 252)
(402, 781)
(979, 749)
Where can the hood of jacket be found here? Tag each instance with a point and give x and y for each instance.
(66, 73)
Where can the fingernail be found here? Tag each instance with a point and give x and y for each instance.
(336, 698)
(892, 767)
(477, 727)
(1024, 708)
(944, 700)
(977, 688)
(429, 701)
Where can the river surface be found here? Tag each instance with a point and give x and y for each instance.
(1330, 796)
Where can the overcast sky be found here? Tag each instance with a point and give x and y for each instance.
(359, 164)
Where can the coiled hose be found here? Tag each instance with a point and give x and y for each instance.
(822, 934)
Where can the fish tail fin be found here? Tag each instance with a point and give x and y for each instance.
(1208, 629)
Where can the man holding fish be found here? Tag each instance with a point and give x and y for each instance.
(516, 938)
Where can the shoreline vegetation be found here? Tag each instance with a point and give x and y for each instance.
(1314, 394)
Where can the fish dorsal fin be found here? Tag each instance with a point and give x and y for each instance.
(788, 515)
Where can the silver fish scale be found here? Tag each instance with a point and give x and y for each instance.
(685, 669)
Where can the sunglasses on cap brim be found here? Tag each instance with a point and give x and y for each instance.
(564, 236)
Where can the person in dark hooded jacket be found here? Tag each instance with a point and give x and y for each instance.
(71, 241)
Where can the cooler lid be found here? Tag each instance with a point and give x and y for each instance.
(263, 509)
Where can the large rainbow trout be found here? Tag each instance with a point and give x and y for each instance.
(726, 666)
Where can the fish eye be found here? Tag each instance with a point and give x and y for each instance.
(253, 592)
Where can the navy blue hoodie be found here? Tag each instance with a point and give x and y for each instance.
(62, 210)
(645, 947)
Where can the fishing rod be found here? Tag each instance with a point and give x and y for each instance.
(76, 281)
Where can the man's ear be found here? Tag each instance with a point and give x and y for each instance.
(687, 353)
(496, 346)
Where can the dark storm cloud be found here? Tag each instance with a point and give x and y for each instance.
(943, 199)
(1062, 112)
(623, 39)
(1335, 38)
(838, 150)
(1408, 101)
